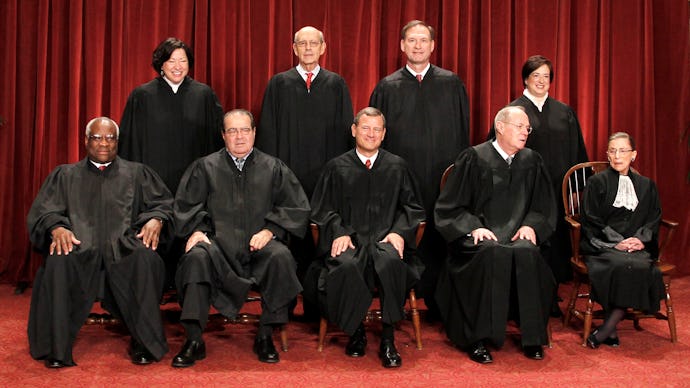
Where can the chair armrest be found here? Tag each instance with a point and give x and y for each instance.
(575, 229)
(314, 233)
(420, 233)
(664, 238)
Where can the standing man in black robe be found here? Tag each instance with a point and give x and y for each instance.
(367, 207)
(236, 208)
(427, 110)
(495, 210)
(305, 122)
(99, 222)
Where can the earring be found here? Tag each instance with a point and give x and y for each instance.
(162, 73)
(633, 159)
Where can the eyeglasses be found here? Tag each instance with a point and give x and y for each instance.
(235, 131)
(520, 127)
(304, 43)
(108, 138)
(615, 152)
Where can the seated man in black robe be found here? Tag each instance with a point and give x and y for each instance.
(495, 209)
(367, 207)
(236, 208)
(99, 221)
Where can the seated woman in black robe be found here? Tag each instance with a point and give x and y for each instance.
(620, 223)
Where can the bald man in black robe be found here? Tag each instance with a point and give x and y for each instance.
(236, 208)
(99, 222)
(495, 209)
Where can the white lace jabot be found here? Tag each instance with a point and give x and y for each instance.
(626, 196)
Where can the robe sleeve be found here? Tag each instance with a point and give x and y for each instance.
(266, 136)
(49, 210)
(453, 211)
(129, 143)
(410, 211)
(190, 203)
(214, 117)
(325, 203)
(156, 202)
(542, 211)
(291, 209)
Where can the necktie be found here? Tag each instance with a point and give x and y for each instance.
(102, 168)
(240, 163)
(419, 78)
(309, 75)
(368, 164)
(509, 160)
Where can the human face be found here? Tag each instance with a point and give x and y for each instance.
(238, 134)
(101, 144)
(308, 48)
(368, 134)
(512, 133)
(539, 81)
(417, 45)
(176, 67)
(621, 154)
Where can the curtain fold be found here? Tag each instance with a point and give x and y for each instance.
(622, 65)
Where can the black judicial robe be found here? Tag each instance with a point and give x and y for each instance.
(427, 123)
(474, 291)
(366, 204)
(167, 130)
(105, 210)
(622, 279)
(558, 139)
(305, 129)
(231, 206)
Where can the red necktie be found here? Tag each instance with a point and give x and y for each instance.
(102, 168)
(368, 164)
(419, 78)
(309, 75)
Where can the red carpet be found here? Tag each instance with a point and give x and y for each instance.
(645, 358)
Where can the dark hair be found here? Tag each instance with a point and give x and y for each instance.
(533, 63)
(165, 49)
(239, 111)
(371, 112)
(623, 135)
(414, 23)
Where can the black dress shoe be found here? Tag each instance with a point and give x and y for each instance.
(53, 363)
(390, 358)
(264, 348)
(611, 341)
(357, 344)
(535, 352)
(190, 353)
(592, 340)
(139, 354)
(478, 353)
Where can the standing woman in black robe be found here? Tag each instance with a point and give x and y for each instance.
(620, 222)
(171, 121)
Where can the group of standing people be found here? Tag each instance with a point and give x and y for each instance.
(225, 207)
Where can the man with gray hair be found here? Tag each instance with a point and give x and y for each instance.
(495, 210)
(99, 222)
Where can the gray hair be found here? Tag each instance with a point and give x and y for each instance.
(102, 118)
(306, 28)
(623, 135)
(505, 113)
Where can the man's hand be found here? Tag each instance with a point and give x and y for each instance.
(195, 238)
(630, 244)
(259, 240)
(340, 245)
(481, 234)
(150, 233)
(63, 241)
(525, 233)
(396, 241)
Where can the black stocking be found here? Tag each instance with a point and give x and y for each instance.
(608, 329)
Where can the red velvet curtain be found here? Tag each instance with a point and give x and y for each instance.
(622, 64)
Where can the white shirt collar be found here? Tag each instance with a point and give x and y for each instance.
(98, 165)
(498, 148)
(537, 101)
(234, 158)
(423, 73)
(363, 158)
(303, 72)
(174, 87)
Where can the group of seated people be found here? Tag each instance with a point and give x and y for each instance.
(102, 221)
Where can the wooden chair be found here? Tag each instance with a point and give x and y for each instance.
(375, 314)
(572, 188)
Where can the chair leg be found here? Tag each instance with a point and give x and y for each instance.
(588, 321)
(323, 325)
(571, 302)
(415, 320)
(670, 315)
(283, 338)
(548, 334)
